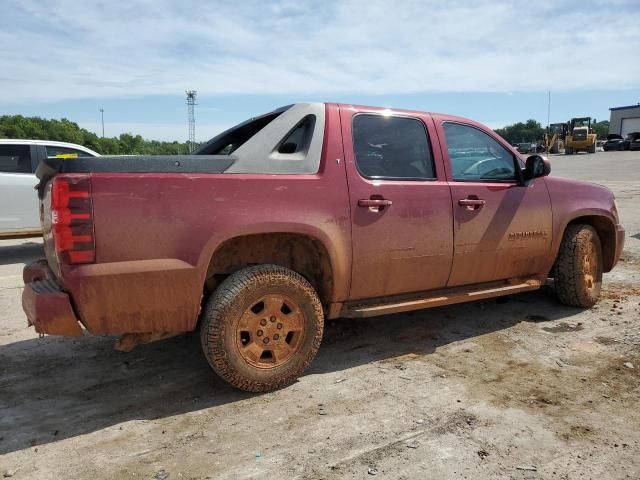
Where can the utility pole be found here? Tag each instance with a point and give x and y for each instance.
(549, 114)
(191, 103)
(102, 115)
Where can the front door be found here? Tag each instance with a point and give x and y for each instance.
(502, 229)
(401, 214)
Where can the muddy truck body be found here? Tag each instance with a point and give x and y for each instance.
(307, 213)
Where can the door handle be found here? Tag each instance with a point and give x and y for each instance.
(374, 204)
(472, 203)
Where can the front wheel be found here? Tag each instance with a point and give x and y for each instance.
(578, 269)
(262, 327)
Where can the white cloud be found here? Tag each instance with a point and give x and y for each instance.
(62, 49)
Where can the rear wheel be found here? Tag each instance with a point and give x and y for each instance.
(578, 269)
(262, 327)
(568, 151)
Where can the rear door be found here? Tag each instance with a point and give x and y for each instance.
(502, 229)
(401, 214)
(18, 199)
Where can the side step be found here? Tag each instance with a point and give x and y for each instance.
(436, 298)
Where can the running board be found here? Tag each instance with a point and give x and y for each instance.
(436, 298)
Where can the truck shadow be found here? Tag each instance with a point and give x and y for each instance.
(23, 252)
(56, 388)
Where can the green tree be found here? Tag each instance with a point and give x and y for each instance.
(36, 128)
(530, 131)
(601, 129)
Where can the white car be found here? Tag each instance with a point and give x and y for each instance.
(19, 215)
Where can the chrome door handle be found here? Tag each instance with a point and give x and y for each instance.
(374, 202)
(472, 203)
(374, 205)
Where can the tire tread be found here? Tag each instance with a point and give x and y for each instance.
(221, 304)
(566, 271)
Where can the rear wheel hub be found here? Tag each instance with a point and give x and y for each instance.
(270, 331)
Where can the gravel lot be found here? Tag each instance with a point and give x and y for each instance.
(520, 387)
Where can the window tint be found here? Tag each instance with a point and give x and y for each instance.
(54, 151)
(475, 156)
(15, 159)
(391, 147)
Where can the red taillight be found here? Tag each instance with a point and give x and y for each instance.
(71, 219)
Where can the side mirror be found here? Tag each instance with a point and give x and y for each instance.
(536, 166)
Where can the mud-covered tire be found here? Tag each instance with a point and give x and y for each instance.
(226, 314)
(577, 272)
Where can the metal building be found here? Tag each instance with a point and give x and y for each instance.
(625, 120)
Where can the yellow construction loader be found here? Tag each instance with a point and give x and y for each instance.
(580, 136)
(554, 139)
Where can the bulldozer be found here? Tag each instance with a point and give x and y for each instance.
(554, 139)
(580, 136)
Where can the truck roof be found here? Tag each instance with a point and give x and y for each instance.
(23, 141)
(404, 112)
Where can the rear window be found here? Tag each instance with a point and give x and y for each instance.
(55, 151)
(229, 141)
(15, 159)
(392, 148)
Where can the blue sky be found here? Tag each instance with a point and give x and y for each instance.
(493, 61)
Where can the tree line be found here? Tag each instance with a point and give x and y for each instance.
(17, 126)
(532, 131)
(36, 128)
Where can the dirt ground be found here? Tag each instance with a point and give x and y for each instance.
(519, 387)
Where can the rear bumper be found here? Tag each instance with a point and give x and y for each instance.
(47, 306)
(113, 298)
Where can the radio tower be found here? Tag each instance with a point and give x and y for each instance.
(191, 103)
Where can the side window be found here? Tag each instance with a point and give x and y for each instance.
(392, 148)
(54, 151)
(15, 159)
(475, 156)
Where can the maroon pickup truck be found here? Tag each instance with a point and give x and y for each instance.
(309, 212)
